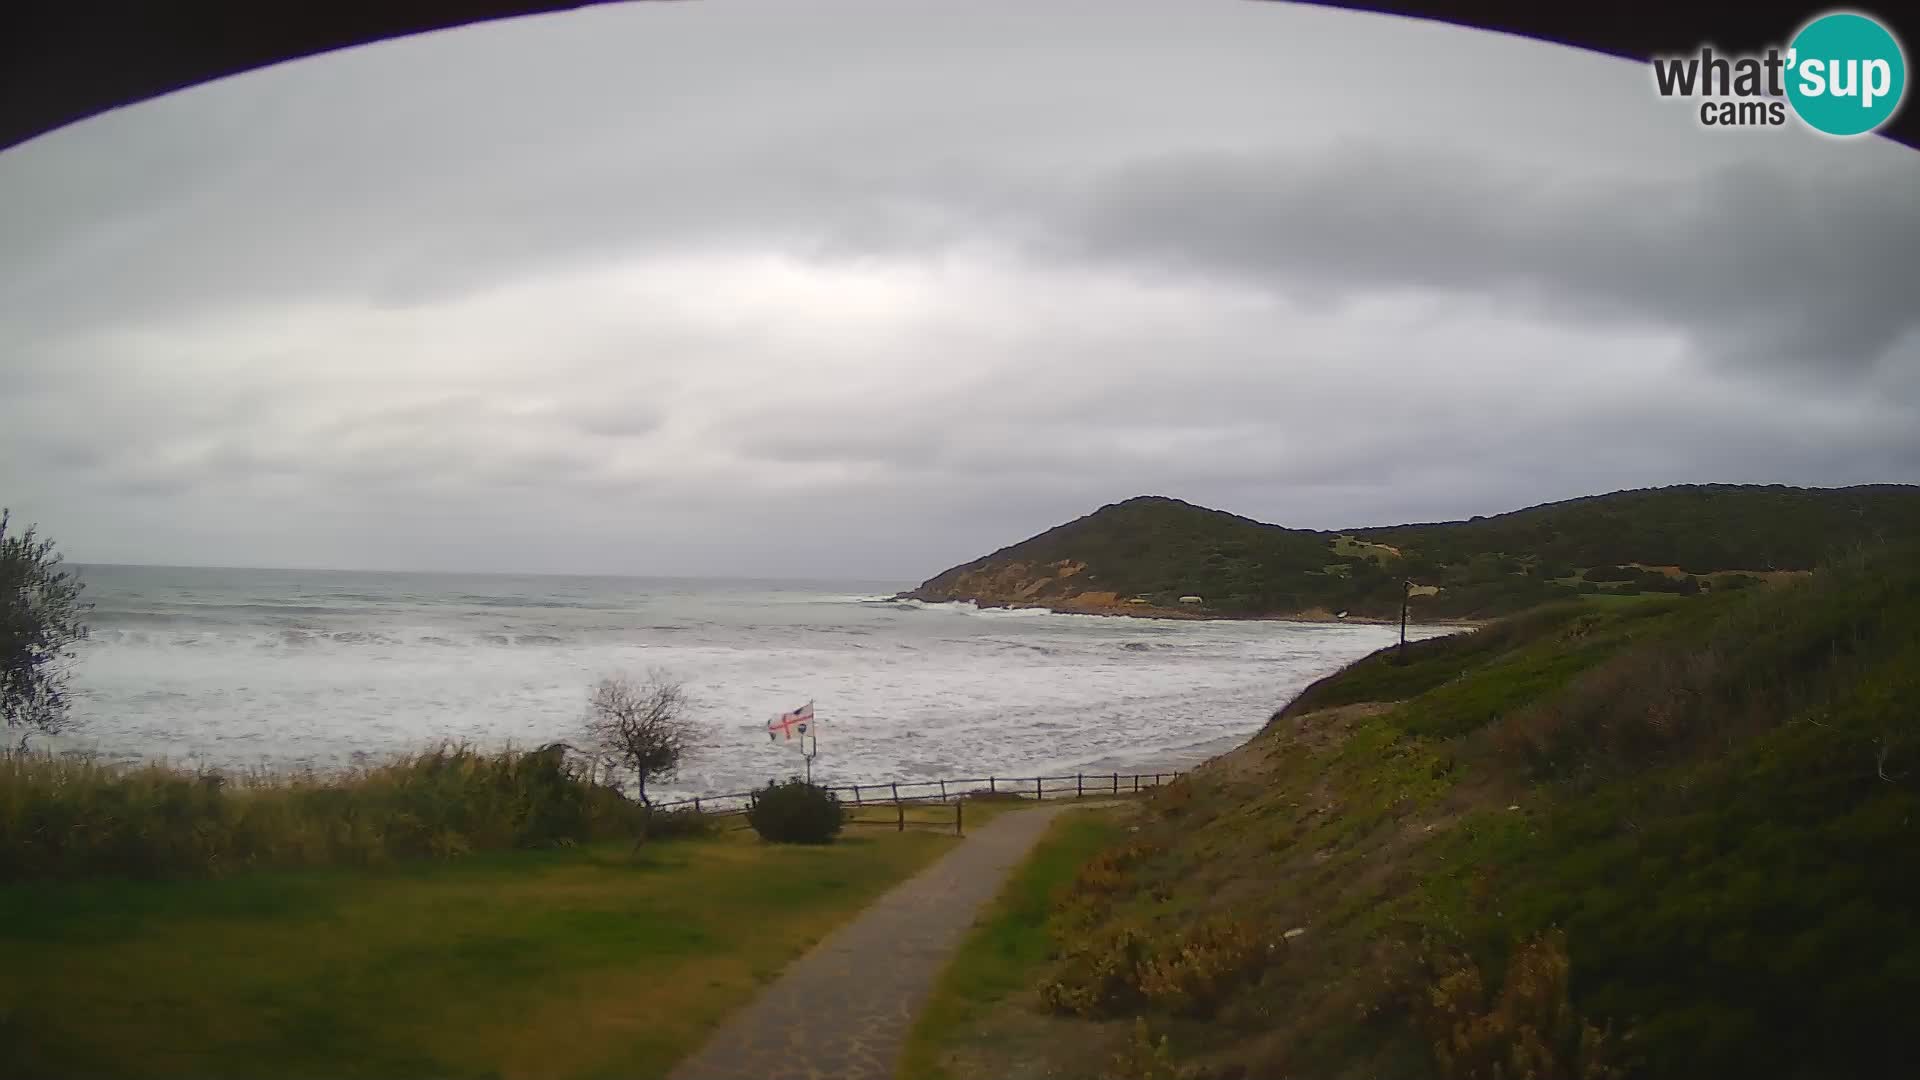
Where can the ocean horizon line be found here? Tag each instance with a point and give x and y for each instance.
(748, 579)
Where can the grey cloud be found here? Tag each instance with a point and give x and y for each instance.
(636, 291)
(613, 419)
(1765, 262)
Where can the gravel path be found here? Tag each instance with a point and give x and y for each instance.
(842, 1011)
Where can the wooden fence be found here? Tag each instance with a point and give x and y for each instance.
(901, 795)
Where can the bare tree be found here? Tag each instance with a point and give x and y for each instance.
(640, 729)
(41, 617)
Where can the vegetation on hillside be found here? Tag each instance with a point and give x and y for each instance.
(1163, 549)
(1699, 528)
(1667, 838)
(1155, 554)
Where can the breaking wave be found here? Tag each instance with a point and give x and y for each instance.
(242, 668)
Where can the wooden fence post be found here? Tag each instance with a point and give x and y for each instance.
(901, 809)
(959, 810)
(751, 799)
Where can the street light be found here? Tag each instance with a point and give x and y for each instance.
(1406, 591)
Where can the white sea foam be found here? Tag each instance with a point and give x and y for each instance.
(231, 668)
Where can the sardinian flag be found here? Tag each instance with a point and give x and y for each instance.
(797, 722)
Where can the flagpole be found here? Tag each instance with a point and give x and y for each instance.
(812, 744)
(809, 742)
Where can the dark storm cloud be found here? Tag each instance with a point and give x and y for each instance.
(1765, 261)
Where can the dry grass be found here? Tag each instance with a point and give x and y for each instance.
(64, 817)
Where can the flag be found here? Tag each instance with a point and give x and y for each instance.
(791, 723)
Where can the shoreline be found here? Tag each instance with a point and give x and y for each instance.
(1175, 759)
(1310, 615)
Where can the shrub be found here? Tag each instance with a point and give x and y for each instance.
(1611, 573)
(70, 817)
(1116, 969)
(796, 812)
(1529, 1032)
(1088, 899)
(41, 617)
(1099, 976)
(1142, 1058)
(685, 822)
(1200, 969)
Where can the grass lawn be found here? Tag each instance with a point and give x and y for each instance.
(1008, 944)
(566, 963)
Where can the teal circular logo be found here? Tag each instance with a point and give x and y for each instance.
(1845, 74)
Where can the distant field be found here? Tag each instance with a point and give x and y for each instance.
(562, 963)
(1347, 545)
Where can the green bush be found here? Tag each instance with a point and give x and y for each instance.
(1529, 1029)
(1098, 976)
(683, 822)
(796, 812)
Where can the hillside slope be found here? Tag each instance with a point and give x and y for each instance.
(1149, 548)
(1697, 528)
(1666, 838)
(1156, 555)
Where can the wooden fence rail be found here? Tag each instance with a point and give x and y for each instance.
(899, 794)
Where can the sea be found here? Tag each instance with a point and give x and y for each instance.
(288, 670)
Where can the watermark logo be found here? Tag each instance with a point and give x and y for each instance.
(1842, 74)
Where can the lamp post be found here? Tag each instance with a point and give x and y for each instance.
(1406, 591)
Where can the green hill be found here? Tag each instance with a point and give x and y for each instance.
(1660, 838)
(1156, 555)
(1699, 529)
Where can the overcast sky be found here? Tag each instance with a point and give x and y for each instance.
(868, 289)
